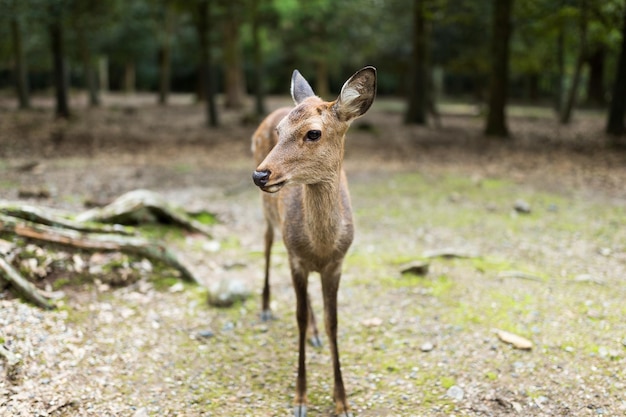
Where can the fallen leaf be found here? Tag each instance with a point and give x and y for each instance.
(518, 342)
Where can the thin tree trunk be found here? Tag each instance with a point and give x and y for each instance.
(259, 93)
(21, 72)
(417, 100)
(235, 83)
(560, 69)
(322, 88)
(203, 26)
(595, 86)
(103, 73)
(617, 111)
(496, 118)
(566, 115)
(165, 52)
(60, 73)
(89, 70)
(129, 77)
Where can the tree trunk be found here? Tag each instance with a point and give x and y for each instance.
(60, 73)
(560, 69)
(165, 52)
(617, 111)
(203, 26)
(103, 73)
(259, 91)
(501, 33)
(129, 77)
(235, 82)
(89, 69)
(322, 88)
(417, 100)
(595, 86)
(21, 73)
(566, 115)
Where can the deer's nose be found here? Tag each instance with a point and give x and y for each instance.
(260, 178)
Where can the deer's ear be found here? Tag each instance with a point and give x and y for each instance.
(357, 94)
(300, 88)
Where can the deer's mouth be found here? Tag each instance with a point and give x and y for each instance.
(272, 188)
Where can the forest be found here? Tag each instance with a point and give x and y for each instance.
(486, 179)
(564, 54)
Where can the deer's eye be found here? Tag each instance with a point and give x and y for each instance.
(313, 135)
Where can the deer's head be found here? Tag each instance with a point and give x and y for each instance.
(311, 137)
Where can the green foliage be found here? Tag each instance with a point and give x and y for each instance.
(324, 38)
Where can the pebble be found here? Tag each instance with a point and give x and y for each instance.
(455, 392)
(226, 292)
(206, 334)
(427, 347)
(522, 207)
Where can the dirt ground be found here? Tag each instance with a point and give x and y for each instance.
(410, 345)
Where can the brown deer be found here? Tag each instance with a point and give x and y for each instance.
(299, 152)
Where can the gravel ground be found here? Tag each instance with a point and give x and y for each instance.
(410, 345)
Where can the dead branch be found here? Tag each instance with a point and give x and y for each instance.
(51, 217)
(135, 205)
(25, 288)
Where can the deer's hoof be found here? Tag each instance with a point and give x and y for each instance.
(299, 410)
(266, 315)
(315, 341)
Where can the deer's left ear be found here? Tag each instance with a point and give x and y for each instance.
(300, 88)
(357, 94)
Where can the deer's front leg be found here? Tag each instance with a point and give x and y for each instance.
(300, 280)
(330, 286)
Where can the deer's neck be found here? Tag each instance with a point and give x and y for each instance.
(323, 215)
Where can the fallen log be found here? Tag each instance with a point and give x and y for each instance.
(155, 251)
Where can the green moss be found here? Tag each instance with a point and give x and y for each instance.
(204, 217)
(447, 381)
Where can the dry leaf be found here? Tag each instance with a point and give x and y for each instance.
(518, 342)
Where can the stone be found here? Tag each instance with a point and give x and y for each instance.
(227, 292)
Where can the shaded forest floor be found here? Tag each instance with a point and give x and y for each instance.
(410, 345)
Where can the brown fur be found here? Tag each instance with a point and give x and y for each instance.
(307, 200)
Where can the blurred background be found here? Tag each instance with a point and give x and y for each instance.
(559, 54)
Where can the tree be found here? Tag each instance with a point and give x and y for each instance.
(582, 56)
(500, 36)
(165, 52)
(60, 80)
(88, 19)
(21, 72)
(235, 86)
(16, 13)
(617, 110)
(416, 109)
(204, 24)
(256, 11)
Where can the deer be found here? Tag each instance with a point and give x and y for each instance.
(299, 154)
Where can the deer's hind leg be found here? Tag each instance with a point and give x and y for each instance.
(266, 312)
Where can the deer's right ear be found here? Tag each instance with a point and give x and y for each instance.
(300, 88)
(357, 94)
